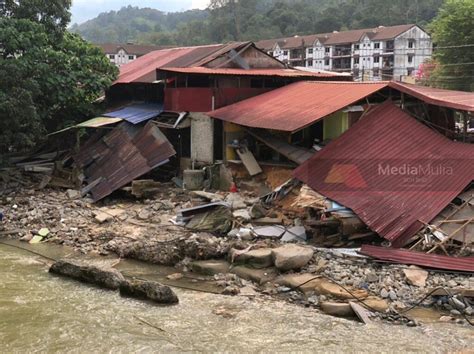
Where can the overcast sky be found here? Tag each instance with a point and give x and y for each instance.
(83, 10)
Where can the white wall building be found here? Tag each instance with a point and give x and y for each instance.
(381, 53)
(121, 54)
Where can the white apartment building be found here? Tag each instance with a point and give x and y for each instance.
(121, 54)
(381, 53)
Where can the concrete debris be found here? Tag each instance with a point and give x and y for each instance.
(210, 267)
(339, 309)
(297, 233)
(258, 258)
(242, 214)
(236, 201)
(269, 231)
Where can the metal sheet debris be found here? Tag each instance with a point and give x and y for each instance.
(396, 207)
(465, 264)
(137, 113)
(121, 156)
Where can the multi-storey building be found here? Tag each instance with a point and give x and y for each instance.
(380, 53)
(121, 54)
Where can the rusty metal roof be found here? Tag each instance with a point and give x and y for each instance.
(446, 98)
(296, 106)
(144, 68)
(294, 73)
(465, 264)
(117, 158)
(394, 172)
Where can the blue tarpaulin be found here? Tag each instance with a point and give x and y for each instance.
(137, 113)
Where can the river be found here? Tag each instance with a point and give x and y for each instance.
(44, 313)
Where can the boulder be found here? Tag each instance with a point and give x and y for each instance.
(326, 287)
(104, 277)
(210, 267)
(337, 309)
(376, 303)
(259, 258)
(148, 290)
(416, 276)
(291, 257)
(259, 276)
(294, 281)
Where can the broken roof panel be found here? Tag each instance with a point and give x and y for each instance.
(464, 264)
(296, 106)
(119, 157)
(445, 98)
(394, 172)
(252, 72)
(137, 113)
(144, 68)
(98, 122)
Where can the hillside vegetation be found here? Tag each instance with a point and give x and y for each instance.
(229, 20)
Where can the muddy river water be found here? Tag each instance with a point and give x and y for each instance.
(44, 313)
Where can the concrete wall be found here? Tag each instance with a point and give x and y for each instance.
(202, 138)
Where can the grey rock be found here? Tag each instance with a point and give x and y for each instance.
(469, 311)
(371, 277)
(104, 277)
(148, 290)
(452, 284)
(455, 313)
(392, 295)
(384, 293)
(291, 257)
(458, 304)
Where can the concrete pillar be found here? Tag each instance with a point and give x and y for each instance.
(202, 138)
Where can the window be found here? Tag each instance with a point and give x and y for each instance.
(411, 44)
(131, 57)
(377, 59)
(377, 45)
(410, 59)
(327, 50)
(285, 52)
(111, 56)
(310, 50)
(310, 63)
(356, 46)
(356, 60)
(376, 72)
(326, 62)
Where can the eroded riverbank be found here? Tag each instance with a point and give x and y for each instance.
(40, 312)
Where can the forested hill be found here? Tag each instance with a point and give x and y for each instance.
(228, 20)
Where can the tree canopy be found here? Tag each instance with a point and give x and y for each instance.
(453, 33)
(231, 20)
(49, 78)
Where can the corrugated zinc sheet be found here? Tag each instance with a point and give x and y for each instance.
(98, 122)
(121, 156)
(369, 170)
(137, 113)
(144, 68)
(251, 72)
(446, 98)
(296, 106)
(464, 264)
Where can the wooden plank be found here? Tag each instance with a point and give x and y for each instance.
(361, 312)
(249, 161)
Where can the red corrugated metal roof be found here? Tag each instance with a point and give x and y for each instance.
(465, 264)
(296, 106)
(352, 170)
(143, 69)
(446, 98)
(251, 72)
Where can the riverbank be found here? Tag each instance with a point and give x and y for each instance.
(46, 309)
(143, 230)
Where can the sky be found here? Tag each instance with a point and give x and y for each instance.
(83, 10)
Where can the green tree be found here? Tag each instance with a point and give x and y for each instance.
(49, 78)
(453, 33)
